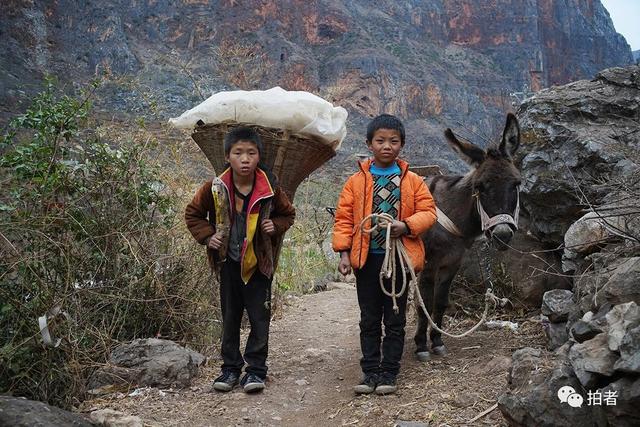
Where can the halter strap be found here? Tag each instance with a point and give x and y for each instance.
(446, 222)
(486, 221)
(490, 222)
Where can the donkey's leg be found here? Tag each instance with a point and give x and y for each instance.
(426, 288)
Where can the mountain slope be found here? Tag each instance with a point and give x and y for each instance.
(434, 63)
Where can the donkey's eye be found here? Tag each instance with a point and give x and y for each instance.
(480, 187)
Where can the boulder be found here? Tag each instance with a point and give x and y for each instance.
(583, 331)
(620, 318)
(626, 410)
(572, 137)
(591, 360)
(20, 412)
(584, 235)
(524, 365)
(622, 285)
(612, 280)
(557, 304)
(630, 352)
(148, 362)
(532, 398)
(556, 335)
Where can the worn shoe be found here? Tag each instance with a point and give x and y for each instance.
(251, 383)
(226, 381)
(386, 384)
(367, 385)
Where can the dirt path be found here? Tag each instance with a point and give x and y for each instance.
(313, 366)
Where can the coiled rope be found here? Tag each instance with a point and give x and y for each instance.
(393, 247)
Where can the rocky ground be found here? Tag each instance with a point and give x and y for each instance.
(313, 359)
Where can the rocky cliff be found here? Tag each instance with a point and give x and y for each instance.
(434, 63)
(581, 183)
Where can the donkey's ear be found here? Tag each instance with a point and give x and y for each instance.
(511, 136)
(470, 153)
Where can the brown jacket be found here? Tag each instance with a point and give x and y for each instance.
(259, 248)
(417, 210)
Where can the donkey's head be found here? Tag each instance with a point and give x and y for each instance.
(494, 182)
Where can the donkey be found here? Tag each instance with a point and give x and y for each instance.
(485, 200)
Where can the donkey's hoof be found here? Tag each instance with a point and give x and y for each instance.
(440, 350)
(423, 356)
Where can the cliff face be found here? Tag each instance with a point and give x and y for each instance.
(435, 63)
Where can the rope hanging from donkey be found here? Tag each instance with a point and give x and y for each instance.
(393, 247)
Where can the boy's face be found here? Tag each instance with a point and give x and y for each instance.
(385, 146)
(243, 158)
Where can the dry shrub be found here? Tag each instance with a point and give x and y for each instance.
(88, 230)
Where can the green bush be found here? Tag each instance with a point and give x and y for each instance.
(87, 226)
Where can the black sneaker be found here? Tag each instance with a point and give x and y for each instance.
(367, 385)
(226, 381)
(251, 383)
(386, 384)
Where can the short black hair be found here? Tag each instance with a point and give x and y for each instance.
(385, 121)
(242, 133)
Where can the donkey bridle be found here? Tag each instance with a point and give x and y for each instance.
(486, 221)
(504, 218)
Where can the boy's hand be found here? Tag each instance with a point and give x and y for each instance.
(398, 228)
(268, 227)
(345, 264)
(215, 241)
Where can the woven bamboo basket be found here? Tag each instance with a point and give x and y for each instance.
(291, 157)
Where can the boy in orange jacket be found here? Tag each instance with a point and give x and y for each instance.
(382, 185)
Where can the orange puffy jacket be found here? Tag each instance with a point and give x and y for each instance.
(417, 209)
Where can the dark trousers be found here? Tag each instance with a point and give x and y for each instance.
(377, 308)
(235, 297)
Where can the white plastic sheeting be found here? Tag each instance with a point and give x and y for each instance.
(299, 112)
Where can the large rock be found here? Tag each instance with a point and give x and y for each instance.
(583, 331)
(572, 139)
(149, 362)
(532, 398)
(586, 235)
(623, 285)
(621, 318)
(20, 412)
(613, 280)
(626, 410)
(556, 333)
(591, 360)
(630, 352)
(524, 363)
(557, 304)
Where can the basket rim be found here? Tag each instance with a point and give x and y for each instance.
(289, 133)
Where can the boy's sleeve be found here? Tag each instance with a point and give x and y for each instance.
(425, 214)
(343, 226)
(283, 213)
(195, 214)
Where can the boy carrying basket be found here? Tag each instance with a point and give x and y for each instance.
(260, 212)
(382, 185)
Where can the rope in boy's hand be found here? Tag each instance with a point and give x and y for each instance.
(394, 245)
